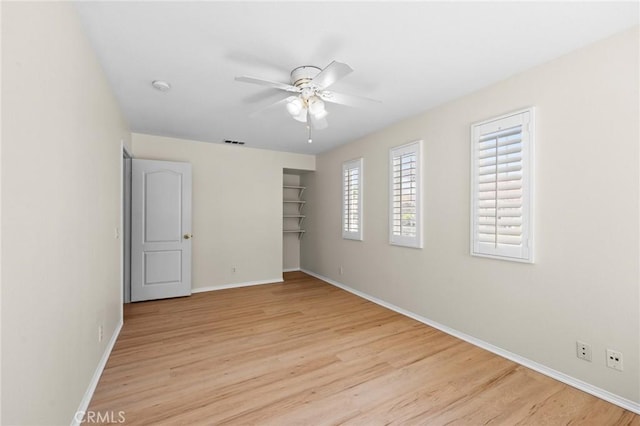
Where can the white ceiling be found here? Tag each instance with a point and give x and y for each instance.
(411, 56)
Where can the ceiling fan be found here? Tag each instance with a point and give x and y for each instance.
(310, 84)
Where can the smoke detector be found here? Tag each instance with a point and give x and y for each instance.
(161, 85)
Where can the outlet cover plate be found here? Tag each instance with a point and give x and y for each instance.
(583, 351)
(614, 359)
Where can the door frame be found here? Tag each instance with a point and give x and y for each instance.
(125, 224)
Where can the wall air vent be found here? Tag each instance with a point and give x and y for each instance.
(233, 142)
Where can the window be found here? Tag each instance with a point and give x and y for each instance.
(352, 199)
(501, 196)
(405, 209)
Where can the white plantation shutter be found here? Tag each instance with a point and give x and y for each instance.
(352, 199)
(404, 195)
(405, 227)
(501, 156)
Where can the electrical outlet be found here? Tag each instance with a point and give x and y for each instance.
(614, 359)
(233, 269)
(583, 351)
(341, 270)
(100, 333)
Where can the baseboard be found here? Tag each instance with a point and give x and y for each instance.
(540, 368)
(236, 285)
(291, 270)
(86, 399)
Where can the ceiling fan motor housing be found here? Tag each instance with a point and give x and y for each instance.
(303, 76)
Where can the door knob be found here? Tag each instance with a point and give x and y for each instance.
(188, 236)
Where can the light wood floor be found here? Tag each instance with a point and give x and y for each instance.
(305, 352)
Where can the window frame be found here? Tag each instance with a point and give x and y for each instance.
(416, 241)
(526, 251)
(357, 163)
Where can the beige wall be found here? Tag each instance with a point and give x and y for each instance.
(61, 133)
(237, 207)
(585, 282)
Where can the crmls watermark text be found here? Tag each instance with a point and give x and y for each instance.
(100, 417)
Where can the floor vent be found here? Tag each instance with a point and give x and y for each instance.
(233, 142)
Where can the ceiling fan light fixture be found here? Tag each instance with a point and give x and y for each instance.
(320, 115)
(316, 106)
(302, 116)
(294, 106)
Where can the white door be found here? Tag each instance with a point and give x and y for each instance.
(160, 230)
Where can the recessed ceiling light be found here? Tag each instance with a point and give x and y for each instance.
(160, 85)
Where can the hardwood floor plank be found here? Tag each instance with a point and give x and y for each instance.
(306, 353)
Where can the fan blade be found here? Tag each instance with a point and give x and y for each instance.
(263, 96)
(270, 106)
(349, 100)
(318, 123)
(332, 73)
(268, 83)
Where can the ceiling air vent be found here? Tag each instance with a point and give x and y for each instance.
(233, 142)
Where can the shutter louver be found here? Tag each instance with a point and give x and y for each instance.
(501, 204)
(404, 195)
(499, 208)
(352, 199)
(351, 183)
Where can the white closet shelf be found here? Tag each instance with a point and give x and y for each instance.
(300, 189)
(300, 232)
(298, 204)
